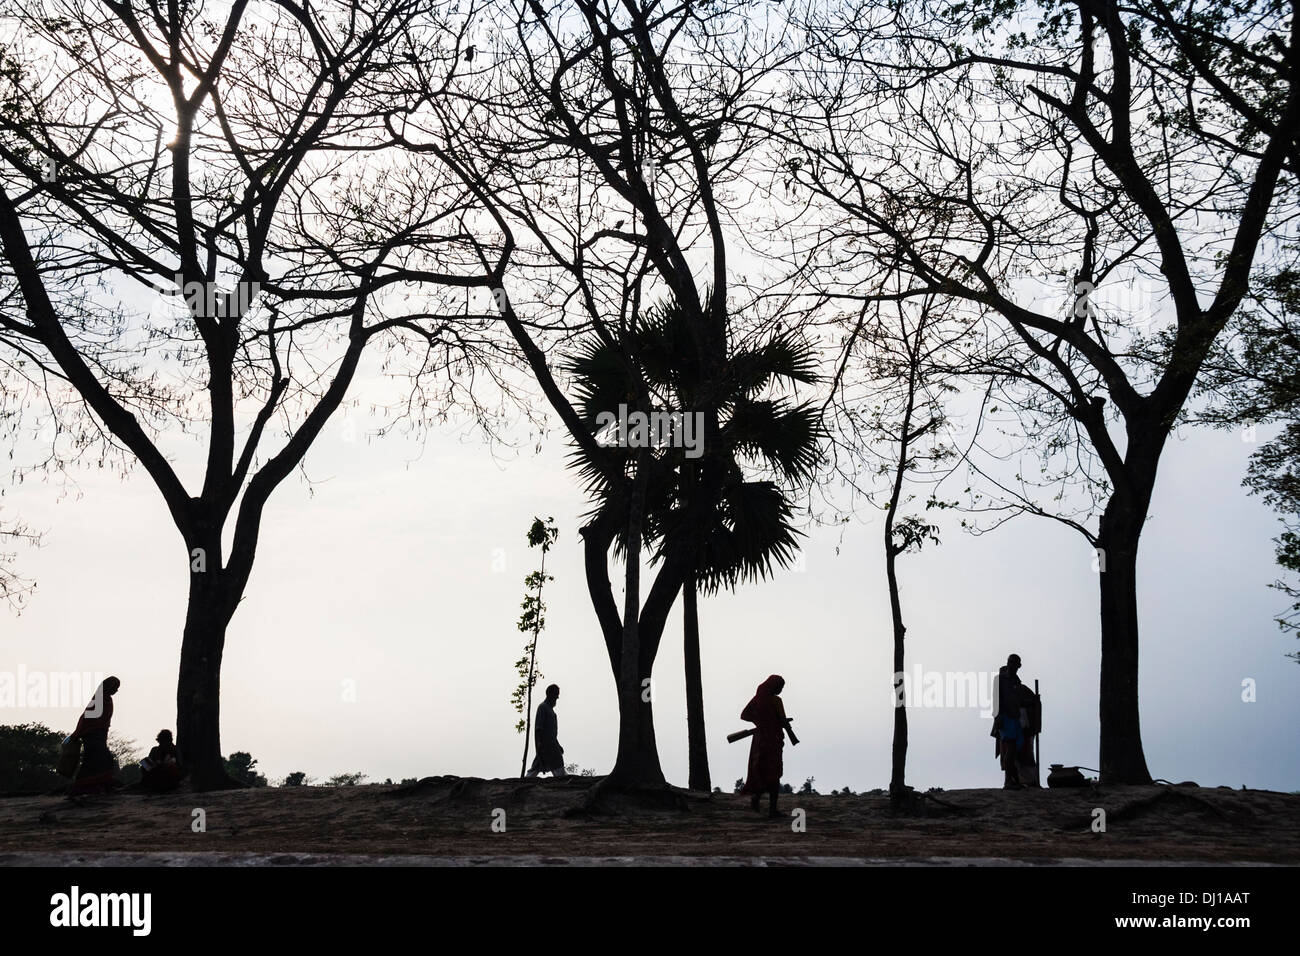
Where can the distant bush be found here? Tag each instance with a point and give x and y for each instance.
(808, 786)
(345, 780)
(127, 754)
(573, 770)
(241, 767)
(740, 785)
(295, 779)
(28, 755)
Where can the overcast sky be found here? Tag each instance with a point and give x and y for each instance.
(399, 574)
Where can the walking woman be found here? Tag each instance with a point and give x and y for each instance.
(767, 713)
(97, 771)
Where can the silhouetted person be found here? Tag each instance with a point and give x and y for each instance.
(161, 770)
(546, 737)
(767, 713)
(97, 771)
(1009, 723)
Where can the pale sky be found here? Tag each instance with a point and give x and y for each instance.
(384, 577)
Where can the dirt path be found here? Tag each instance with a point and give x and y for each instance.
(451, 820)
(421, 860)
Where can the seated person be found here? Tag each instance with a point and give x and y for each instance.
(161, 770)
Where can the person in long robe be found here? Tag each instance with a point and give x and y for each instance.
(97, 772)
(549, 757)
(161, 771)
(1009, 725)
(766, 712)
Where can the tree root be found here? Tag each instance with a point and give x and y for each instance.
(613, 799)
(908, 803)
(220, 781)
(1178, 795)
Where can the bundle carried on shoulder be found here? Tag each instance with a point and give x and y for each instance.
(69, 756)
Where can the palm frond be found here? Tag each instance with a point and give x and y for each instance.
(748, 530)
(784, 356)
(774, 432)
(753, 534)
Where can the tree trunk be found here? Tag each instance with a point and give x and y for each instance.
(897, 783)
(1122, 759)
(637, 763)
(695, 736)
(898, 750)
(528, 709)
(198, 690)
(532, 669)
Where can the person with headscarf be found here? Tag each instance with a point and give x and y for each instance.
(161, 771)
(97, 772)
(766, 712)
(546, 737)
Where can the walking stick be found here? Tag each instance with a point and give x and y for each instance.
(1037, 760)
(742, 734)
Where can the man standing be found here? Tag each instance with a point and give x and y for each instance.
(546, 738)
(1007, 725)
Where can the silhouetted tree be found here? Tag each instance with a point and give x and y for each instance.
(242, 169)
(896, 366)
(605, 137)
(766, 446)
(541, 534)
(976, 145)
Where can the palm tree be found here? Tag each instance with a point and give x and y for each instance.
(726, 503)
